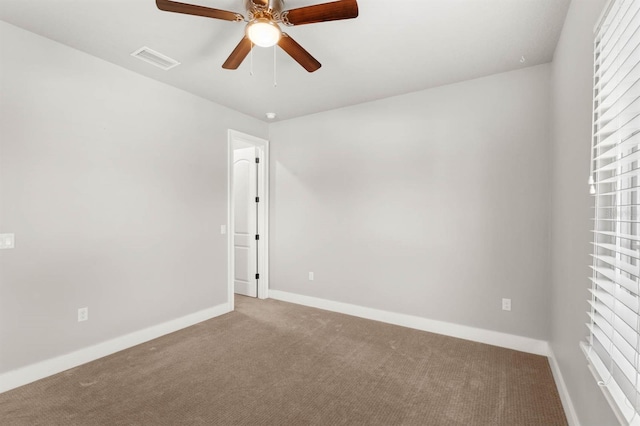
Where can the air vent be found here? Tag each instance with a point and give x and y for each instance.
(155, 58)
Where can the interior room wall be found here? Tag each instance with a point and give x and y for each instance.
(433, 204)
(572, 81)
(115, 187)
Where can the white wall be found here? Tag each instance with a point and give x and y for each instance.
(572, 82)
(115, 187)
(432, 204)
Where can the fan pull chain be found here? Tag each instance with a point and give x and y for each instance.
(251, 58)
(275, 82)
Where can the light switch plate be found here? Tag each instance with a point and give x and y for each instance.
(506, 304)
(7, 241)
(223, 229)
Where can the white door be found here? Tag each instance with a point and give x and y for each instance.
(245, 221)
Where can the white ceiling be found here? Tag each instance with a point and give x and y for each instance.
(393, 47)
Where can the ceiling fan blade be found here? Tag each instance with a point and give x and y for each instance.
(237, 56)
(343, 9)
(298, 53)
(192, 9)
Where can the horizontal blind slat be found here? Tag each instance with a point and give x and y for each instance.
(629, 143)
(618, 100)
(618, 357)
(613, 135)
(628, 333)
(628, 352)
(619, 264)
(629, 297)
(618, 235)
(612, 247)
(611, 23)
(617, 206)
(625, 314)
(608, 79)
(628, 174)
(613, 59)
(630, 221)
(623, 116)
(625, 159)
(611, 275)
(615, 37)
(617, 192)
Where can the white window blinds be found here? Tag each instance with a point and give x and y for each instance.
(613, 343)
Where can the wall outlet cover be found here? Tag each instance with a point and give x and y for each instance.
(506, 304)
(83, 314)
(7, 241)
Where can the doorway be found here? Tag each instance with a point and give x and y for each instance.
(248, 198)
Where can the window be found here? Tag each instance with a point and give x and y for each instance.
(613, 344)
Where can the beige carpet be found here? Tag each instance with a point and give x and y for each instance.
(274, 363)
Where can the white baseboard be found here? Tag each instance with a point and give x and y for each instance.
(567, 404)
(496, 338)
(30, 373)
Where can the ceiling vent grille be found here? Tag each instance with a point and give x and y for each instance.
(155, 58)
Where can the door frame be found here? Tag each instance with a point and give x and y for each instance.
(238, 139)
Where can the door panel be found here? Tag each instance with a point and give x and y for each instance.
(245, 221)
(243, 282)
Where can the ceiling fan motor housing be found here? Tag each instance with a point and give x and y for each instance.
(259, 7)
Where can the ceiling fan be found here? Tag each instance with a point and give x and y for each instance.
(263, 29)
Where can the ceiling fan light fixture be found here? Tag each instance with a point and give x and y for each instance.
(262, 29)
(263, 32)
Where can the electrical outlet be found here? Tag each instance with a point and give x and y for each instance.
(506, 304)
(7, 241)
(83, 314)
(310, 276)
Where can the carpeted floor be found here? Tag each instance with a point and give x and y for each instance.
(275, 363)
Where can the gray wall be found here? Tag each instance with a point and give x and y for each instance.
(115, 186)
(572, 72)
(432, 204)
